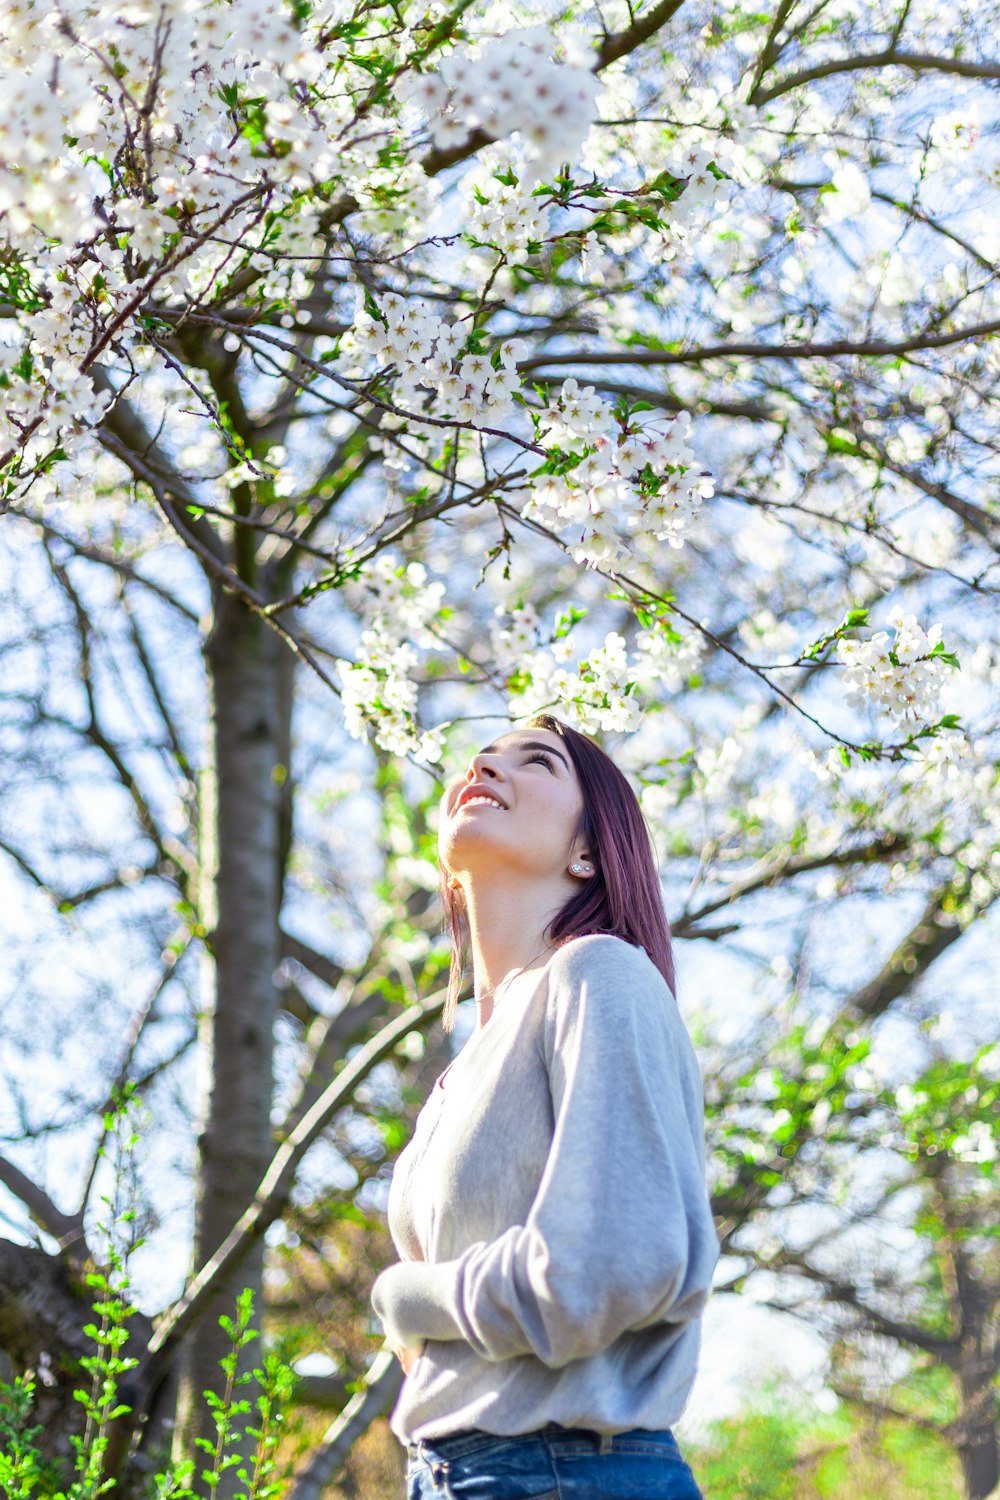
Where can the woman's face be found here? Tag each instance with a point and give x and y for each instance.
(528, 772)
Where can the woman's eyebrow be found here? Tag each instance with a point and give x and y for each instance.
(529, 745)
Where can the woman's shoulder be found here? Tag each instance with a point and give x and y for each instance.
(613, 989)
(597, 955)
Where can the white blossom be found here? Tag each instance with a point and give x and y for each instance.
(510, 86)
(380, 688)
(899, 675)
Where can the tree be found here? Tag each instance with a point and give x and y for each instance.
(772, 1451)
(904, 1261)
(294, 404)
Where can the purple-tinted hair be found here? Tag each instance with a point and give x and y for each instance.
(622, 897)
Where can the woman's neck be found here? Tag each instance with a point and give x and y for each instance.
(507, 923)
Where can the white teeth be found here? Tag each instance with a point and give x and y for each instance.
(486, 801)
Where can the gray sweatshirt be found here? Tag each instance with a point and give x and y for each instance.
(551, 1212)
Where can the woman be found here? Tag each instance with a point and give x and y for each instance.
(556, 1237)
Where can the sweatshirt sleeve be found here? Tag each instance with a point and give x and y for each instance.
(620, 1234)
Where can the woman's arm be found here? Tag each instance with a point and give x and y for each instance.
(620, 1234)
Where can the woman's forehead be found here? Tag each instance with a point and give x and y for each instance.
(515, 738)
(529, 739)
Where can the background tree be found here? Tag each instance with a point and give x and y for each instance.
(772, 1452)
(897, 1265)
(299, 307)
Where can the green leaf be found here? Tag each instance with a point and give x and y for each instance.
(948, 657)
(842, 442)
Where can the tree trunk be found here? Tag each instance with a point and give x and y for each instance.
(976, 1370)
(242, 856)
(42, 1317)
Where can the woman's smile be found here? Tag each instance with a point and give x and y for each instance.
(478, 792)
(532, 782)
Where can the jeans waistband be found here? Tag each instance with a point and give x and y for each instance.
(457, 1444)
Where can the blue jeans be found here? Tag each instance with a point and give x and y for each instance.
(555, 1463)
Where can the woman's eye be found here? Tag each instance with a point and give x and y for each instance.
(542, 757)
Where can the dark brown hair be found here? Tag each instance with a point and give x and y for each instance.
(622, 897)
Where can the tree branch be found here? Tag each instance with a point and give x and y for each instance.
(642, 593)
(620, 43)
(917, 62)
(133, 1036)
(271, 1196)
(169, 851)
(380, 1390)
(929, 937)
(835, 1289)
(974, 516)
(883, 1409)
(66, 1228)
(329, 1038)
(310, 958)
(190, 534)
(27, 869)
(873, 349)
(322, 1392)
(181, 762)
(885, 847)
(920, 215)
(771, 50)
(751, 411)
(615, 45)
(94, 554)
(122, 433)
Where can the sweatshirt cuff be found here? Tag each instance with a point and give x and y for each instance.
(415, 1301)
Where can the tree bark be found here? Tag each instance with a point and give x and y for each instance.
(327, 1460)
(243, 845)
(42, 1316)
(978, 1360)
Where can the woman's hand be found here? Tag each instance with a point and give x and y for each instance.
(408, 1356)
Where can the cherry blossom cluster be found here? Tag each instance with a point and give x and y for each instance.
(510, 643)
(977, 1144)
(510, 85)
(223, 114)
(596, 692)
(902, 674)
(507, 217)
(946, 766)
(703, 190)
(667, 660)
(619, 488)
(199, 168)
(597, 262)
(597, 696)
(427, 352)
(161, 92)
(643, 473)
(123, 175)
(380, 688)
(47, 397)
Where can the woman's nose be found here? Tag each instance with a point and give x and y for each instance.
(480, 766)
